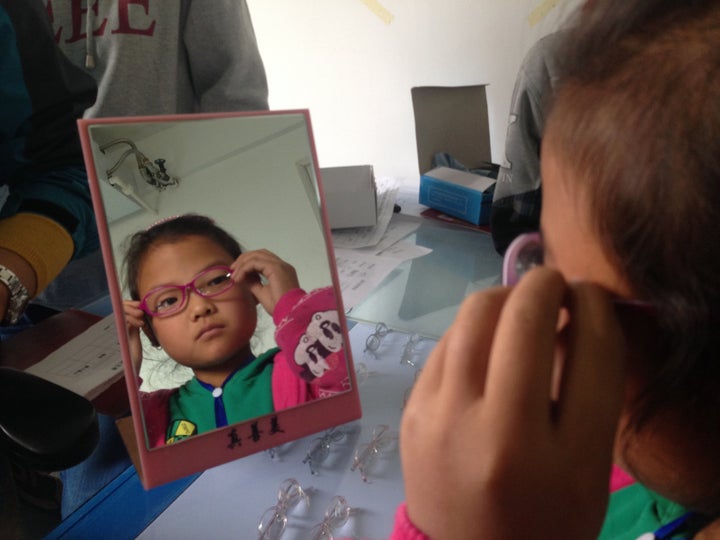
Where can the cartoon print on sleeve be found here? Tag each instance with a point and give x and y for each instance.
(322, 338)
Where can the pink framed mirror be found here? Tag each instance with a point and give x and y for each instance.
(243, 360)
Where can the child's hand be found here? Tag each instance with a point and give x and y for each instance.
(134, 320)
(485, 451)
(267, 275)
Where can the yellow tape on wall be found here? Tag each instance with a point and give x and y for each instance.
(540, 12)
(379, 10)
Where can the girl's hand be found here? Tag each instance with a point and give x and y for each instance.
(486, 451)
(268, 276)
(134, 321)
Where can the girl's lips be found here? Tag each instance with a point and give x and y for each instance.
(209, 331)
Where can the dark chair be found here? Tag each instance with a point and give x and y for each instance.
(44, 428)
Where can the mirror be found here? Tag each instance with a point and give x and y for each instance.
(256, 176)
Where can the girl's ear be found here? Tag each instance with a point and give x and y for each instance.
(149, 332)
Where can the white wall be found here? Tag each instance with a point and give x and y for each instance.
(353, 66)
(241, 171)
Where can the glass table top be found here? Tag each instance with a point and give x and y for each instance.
(423, 295)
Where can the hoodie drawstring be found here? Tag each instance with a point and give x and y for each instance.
(89, 37)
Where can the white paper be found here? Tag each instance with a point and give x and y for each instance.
(361, 237)
(396, 230)
(87, 364)
(361, 271)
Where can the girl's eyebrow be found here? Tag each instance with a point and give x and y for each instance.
(211, 265)
(216, 263)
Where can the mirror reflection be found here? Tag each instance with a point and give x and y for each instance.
(218, 260)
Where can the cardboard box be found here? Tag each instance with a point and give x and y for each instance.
(458, 193)
(454, 120)
(350, 196)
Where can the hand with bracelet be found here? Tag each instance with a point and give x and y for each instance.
(17, 282)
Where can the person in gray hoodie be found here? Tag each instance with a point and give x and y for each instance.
(518, 194)
(151, 57)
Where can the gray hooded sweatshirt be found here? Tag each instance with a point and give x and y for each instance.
(153, 57)
(163, 56)
(518, 192)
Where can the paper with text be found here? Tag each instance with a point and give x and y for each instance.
(360, 271)
(87, 364)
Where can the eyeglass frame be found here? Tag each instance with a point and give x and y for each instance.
(365, 454)
(511, 275)
(184, 289)
(320, 449)
(290, 493)
(373, 341)
(410, 349)
(336, 516)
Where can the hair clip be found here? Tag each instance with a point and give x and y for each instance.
(365, 454)
(372, 343)
(336, 516)
(161, 221)
(321, 448)
(273, 521)
(410, 350)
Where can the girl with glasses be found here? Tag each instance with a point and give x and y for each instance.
(607, 351)
(195, 295)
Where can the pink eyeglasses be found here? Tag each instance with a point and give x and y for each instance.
(523, 253)
(527, 251)
(167, 300)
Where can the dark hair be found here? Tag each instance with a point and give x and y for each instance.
(636, 119)
(168, 231)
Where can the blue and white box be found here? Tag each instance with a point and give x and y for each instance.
(460, 194)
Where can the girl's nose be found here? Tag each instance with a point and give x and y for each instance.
(200, 306)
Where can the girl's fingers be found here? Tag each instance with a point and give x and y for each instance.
(133, 314)
(529, 351)
(593, 377)
(455, 370)
(471, 341)
(255, 261)
(254, 265)
(523, 356)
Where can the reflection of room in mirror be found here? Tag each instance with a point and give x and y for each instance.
(254, 176)
(258, 183)
(249, 180)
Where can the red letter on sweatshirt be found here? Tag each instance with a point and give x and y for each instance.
(124, 19)
(77, 21)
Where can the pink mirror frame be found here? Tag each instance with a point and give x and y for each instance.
(166, 463)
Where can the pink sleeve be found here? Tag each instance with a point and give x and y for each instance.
(404, 529)
(310, 339)
(619, 479)
(157, 416)
(288, 389)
